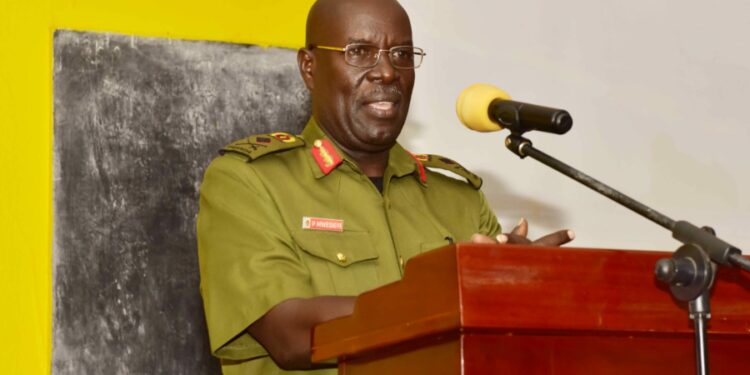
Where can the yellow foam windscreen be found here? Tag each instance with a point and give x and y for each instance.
(472, 106)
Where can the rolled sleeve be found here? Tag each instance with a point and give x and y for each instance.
(247, 260)
(488, 224)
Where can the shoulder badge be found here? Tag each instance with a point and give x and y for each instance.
(440, 162)
(256, 146)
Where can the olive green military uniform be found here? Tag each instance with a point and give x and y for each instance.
(291, 217)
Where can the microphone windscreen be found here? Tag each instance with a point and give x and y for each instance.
(472, 107)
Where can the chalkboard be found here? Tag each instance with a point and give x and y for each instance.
(136, 121)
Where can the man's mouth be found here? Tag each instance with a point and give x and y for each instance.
(382, 106)
(382, 109)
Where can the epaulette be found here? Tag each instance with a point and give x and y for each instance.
(256, 146)
(440, 162)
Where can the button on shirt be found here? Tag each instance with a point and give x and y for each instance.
(279, 227)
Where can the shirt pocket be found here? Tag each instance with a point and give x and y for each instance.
(342, 263)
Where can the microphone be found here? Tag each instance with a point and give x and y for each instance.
(486, 108)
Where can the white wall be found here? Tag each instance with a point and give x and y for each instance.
(658, 90)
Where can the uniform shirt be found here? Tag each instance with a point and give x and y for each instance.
(306, 222)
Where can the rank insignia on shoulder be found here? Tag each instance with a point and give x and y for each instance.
(284, 137)
(441, 162)
(256, 146)
(422, 157)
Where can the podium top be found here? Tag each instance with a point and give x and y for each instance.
(509, 290)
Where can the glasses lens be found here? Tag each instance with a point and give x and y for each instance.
(406, 57)
(361, 55)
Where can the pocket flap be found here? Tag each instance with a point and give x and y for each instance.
(342, 249)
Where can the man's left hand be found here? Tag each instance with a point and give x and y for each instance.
(518, 236)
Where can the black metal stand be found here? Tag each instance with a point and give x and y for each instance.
(691, 274)
(691, 270)
(700, 313)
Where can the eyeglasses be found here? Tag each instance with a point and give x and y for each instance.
(368, 56)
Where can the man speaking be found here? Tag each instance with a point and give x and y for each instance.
(292, 227)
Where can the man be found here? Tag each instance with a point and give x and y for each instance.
(291, 228)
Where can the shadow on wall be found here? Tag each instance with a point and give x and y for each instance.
(137, 120)
(511, 207)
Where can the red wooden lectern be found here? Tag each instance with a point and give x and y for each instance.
(490, 309)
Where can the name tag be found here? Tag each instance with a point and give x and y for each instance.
(326, 225)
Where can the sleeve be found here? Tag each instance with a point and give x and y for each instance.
(488, 224)
(247, 260)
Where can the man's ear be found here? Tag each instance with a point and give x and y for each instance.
(306, 63)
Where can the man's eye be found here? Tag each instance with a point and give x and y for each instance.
(403, 55)
(357, 51)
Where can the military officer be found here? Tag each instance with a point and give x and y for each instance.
(292, 227)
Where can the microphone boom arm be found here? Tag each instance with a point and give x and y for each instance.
(690, 272)
(719, 251)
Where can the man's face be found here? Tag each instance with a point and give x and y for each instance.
(362, 109)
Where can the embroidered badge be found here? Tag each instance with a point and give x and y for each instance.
(252, 147)
(326, 156)
(419, 159)
(321, 224)
(263, 140)
(284, 137)
(422, 157)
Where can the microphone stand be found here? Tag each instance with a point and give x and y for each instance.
(691, 270)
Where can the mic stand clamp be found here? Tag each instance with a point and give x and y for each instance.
(516, 143)
(690, 274)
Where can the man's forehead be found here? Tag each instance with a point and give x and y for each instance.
(322, 7)
(352, 21)
(374, 39)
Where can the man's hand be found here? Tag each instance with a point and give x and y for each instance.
(518, 237)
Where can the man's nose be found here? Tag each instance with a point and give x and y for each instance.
(384, 70)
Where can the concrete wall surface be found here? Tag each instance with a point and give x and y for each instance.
(657, 90)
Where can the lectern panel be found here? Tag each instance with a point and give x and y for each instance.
(611, 355)
(489, 309)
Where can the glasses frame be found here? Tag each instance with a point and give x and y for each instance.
(417, 51)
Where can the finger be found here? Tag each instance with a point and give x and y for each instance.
(555, 239)
(480, 238)
(522, 229)
(515, 239)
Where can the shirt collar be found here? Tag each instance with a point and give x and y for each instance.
(400, 161)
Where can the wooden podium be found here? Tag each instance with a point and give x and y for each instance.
(491, 309)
